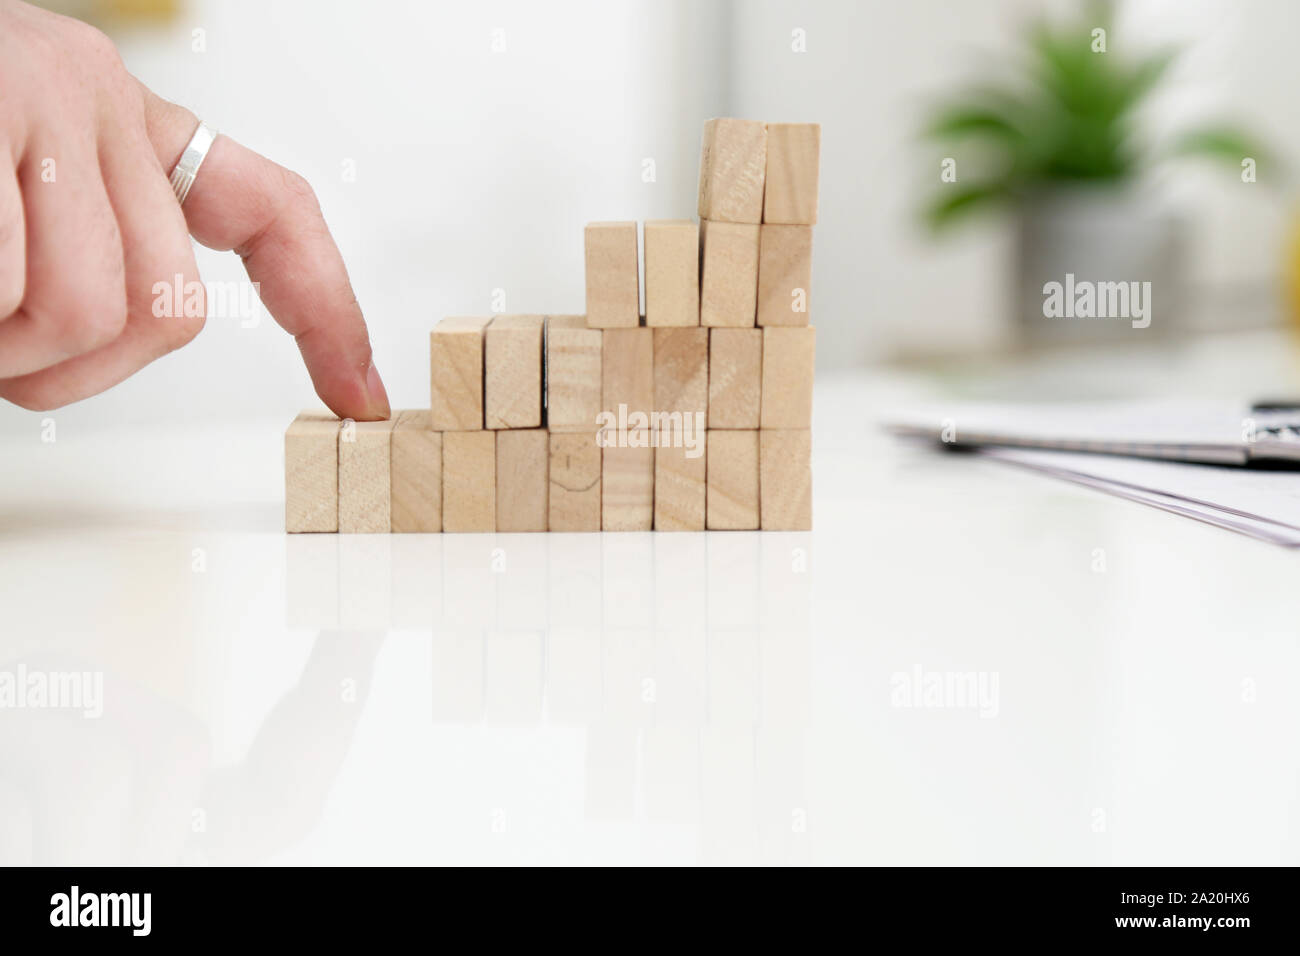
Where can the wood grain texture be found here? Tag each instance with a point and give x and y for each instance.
(784, 275)
(573, 378)
(469, 481)
(627, 371)
(728, 274)
(793, 161)
(627, 486)
(416, 474)
(681, 373)
(679, 489)
(672, 272)
(456, 373)
(732, 483)
(512, 389)
(735, 377)
(575, 488)
(788, 358)
(612, 273)
(365, 482)
(733, 166)
(522, 463)
(785, 479)
(311, 473)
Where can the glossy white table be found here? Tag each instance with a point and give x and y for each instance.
(942, 672)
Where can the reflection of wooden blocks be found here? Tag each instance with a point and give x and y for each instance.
(672, 272)
(784, 274)
(785, 484)
(613, 286)
(574, 482)
(728, 273)
(627, 371)
(456, 374)
(512, 379)
(416, 474)
(469, 481)
(793, 156)
(572, 373)
(365, 488)
(311, 473)
(733, 481)
(628, 486)
(788, 356)
(681, 371)
(679, 487)
(735, 377)
(733, 164)
(522, 456)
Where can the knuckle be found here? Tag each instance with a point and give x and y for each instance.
(298, 190)
(93, 323)
(86, 41)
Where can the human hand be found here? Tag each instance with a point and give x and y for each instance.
(89, 224)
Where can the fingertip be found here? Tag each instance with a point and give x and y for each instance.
(380, 408)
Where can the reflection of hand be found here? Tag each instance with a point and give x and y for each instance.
(89, 226)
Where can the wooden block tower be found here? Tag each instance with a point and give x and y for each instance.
(694, 413)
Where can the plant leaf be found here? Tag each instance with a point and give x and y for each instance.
(1217, 142)
(956, 201)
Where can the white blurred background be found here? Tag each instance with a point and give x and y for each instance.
(475, 170)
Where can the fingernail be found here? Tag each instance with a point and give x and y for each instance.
(377, 394)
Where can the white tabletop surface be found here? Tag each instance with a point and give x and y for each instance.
(646, 698)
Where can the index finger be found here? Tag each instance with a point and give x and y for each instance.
(270, 217)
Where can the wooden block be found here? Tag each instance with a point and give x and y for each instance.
(788, 356)
(311, 473)
(522, 456)
(679, 488)
(785, 479)
(733, 481)
(627, 485)
(672, 272)
(574, 482)
(572, 374)
(733, 164)
(613, 286)
(365, 484)
(456, 373)
(416, 474)
(728, 273)
(735, 377)
(681, 372)
(469, 481)
(784, 274)
(512, 377)
(627, 371)
(793, 157)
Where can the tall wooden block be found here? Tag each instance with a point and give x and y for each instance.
(365, 485)
(733, 481)
(728, 273)
(574, 503)
(681, 372)
(785, 479)
(627, 486)
(733, 165)
(416, 474)
(784, 274)
(572, 374)
(679, 487)
(512, 380)
(627, 370)
(672, 272)
(469, 481)
(788, 356)
(522, 457)
(613, 285)
(311, 473)
(456, 373)
(735, 377)
(793, 158)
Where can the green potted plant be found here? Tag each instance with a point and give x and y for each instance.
(1059, 146)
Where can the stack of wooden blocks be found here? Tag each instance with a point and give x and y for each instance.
(589, 422)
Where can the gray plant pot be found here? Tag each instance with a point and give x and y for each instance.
(1093, 239)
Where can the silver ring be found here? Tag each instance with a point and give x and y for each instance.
(187, 168)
